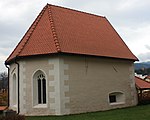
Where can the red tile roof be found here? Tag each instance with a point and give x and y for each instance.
(142, 84)
(3, 108)
(58, 29)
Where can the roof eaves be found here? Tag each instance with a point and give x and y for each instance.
(113, 57)
(53, 29)
(137, 86)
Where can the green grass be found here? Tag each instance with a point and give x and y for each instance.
(133, 113)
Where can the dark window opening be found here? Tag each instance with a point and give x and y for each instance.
(41, 89)
(44, 90)
(112, 98)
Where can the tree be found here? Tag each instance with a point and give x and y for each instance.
(143, 71)
(3, 80)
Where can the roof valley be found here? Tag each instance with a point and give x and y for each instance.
(53, 28)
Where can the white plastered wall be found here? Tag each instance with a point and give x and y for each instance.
(71, 80)
(13, 70)
(57, 89)
(91, 79)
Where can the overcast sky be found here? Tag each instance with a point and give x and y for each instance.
(131, 19)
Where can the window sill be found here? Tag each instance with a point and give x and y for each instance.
(40, 106)
(117, 103)
(15, 105)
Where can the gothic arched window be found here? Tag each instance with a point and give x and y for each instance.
(39, 88)
(14, 90)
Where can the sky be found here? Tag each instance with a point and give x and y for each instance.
(130, 18)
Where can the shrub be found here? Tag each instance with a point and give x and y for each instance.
(14, 117)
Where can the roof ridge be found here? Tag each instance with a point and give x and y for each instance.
(33, 26)
(77, 10)
(53, 29)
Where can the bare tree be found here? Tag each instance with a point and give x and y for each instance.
(3, 80)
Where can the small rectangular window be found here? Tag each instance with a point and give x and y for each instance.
(112, 98)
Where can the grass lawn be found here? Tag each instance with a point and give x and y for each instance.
(133, 113)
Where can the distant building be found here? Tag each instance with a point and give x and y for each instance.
(147, 78)
(143, 89)
(70, 62)
(140, 75)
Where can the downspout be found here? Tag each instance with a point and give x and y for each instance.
(8, 85)
(18, 86)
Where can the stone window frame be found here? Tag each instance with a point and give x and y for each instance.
(118, 97)
(35, 103)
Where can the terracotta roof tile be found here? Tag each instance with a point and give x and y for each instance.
(59, 29)
(3, 108)
(41, 41)
(142, 84)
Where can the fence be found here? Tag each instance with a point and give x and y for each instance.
(144, 97)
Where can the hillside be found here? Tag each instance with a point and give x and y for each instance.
(142, 65)
(142, 68)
